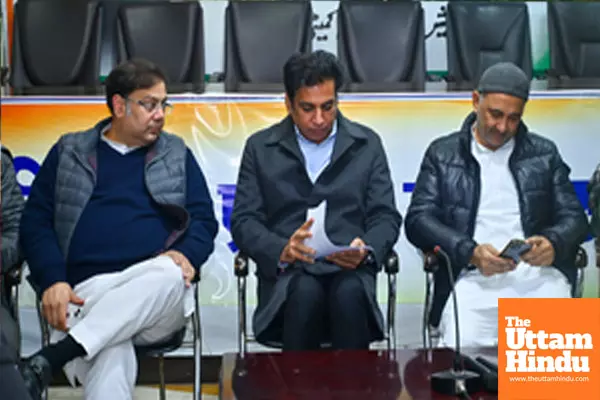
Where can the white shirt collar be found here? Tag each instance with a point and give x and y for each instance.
(121, 148)
(506, 147)
(327, 139)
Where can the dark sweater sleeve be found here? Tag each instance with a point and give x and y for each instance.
(198, 242)
(37, 235)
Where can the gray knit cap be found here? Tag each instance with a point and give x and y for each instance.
(505, 77)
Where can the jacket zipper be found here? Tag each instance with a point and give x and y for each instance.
(511, 167)
(476, 198)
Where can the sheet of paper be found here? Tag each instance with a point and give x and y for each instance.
(319, 241)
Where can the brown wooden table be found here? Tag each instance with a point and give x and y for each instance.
(337, 375)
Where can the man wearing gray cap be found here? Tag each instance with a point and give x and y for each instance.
(481, 187)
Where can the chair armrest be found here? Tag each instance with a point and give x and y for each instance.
(13, 275)
(391, 264)
(431, 262)
(581, 258)
(4, 75)
(597, 244)
(240, 265)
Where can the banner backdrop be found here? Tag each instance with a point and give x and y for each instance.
(216, 127)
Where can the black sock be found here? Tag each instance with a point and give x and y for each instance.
(61, 352)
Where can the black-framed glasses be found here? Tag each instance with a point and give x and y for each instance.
(152, 106)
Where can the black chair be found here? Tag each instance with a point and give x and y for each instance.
(431, 263)
(481, 34)
(574, 32)
(56, 47)
(170, 34)
(152, 350)
(388, 55)
(391, 266)
(259, 38)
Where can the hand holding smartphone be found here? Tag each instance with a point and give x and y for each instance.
(515, 249)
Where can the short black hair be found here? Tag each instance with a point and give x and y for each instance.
(310, 69)
(130, 76)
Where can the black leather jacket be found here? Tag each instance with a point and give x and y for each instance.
(445, 201)
(10, 215)
(594, 201)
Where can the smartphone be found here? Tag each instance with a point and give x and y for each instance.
(515, 249)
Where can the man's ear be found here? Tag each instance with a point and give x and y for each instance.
(476, 97)
(119, 106)
(288, 104)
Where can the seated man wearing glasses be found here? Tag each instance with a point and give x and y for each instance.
(118, 222)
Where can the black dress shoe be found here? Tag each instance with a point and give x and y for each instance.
(37, 375)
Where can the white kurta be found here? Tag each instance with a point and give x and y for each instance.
(498, 221)
(144, 304)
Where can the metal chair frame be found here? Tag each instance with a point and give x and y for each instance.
(153, 350)
(241, 270)
(431, 334)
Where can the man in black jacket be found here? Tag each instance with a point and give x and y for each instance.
(11, 204)
(11, 201)
(594, 201)
(315, 157)
(479, 188)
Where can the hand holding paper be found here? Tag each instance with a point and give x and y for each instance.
(296, 249)
(345, 256)
(350, 258)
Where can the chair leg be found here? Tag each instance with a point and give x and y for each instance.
(14, 295)
(391, 317)
(579, 283)
(161, 377)
(197, 356)
(426, 326)
(425, 331)
(242, 328)
(44, 331)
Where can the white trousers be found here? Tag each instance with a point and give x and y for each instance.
(477, 298)
(144, 304)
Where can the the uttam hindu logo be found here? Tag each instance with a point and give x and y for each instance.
(526, 347)
(549, 349)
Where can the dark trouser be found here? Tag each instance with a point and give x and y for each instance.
(331, 308)
(11, 381)
(12, 384)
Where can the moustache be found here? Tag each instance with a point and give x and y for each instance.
(497, 132)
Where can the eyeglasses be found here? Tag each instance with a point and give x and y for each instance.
(152, 106)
